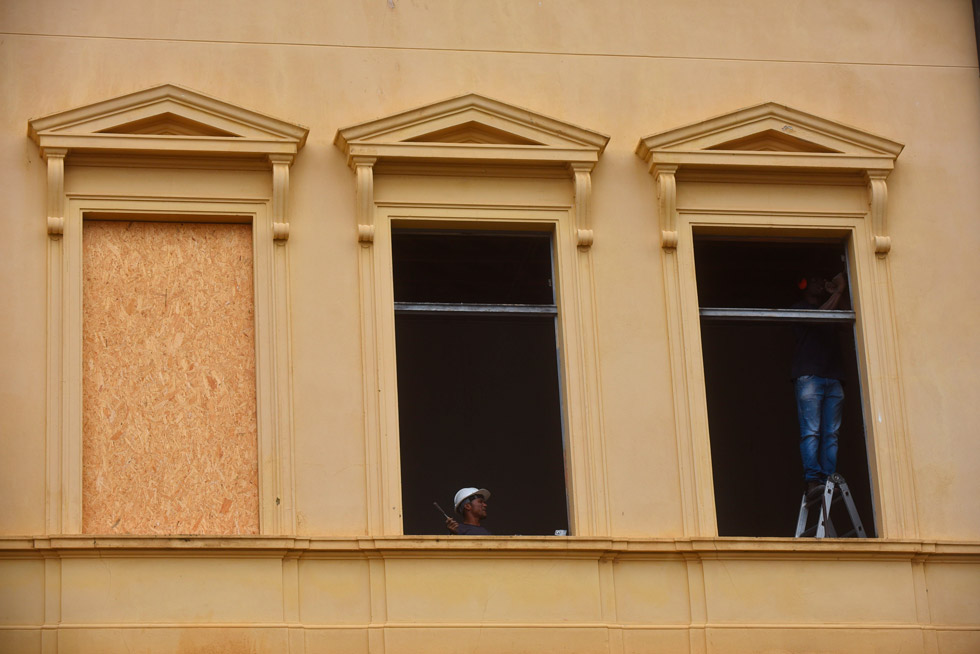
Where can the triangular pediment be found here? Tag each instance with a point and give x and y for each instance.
(167, 118)
(167, 124)
(471, 127)
(771, 140)
(473, 132)
(790, 138)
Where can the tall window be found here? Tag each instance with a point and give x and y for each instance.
(749, 297)
(479, 402)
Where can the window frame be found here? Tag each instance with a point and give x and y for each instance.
(798, 227)
(65, 461)
(888, 470)
(583, 470)
(512, 310)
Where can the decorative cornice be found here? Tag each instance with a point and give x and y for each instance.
(521, 137)
(741, 141)
(166, 144)
(471, 107)
(489, 153)
(120, 132)
(767, 141)
(830, 136)
(126, 125)
(790, 161)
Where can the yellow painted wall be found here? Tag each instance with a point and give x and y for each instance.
(906, 70)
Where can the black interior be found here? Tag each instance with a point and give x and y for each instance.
(478, 395)
(472, 267)
(751, 402)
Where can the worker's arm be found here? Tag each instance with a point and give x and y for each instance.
(836, 288)
(452, 525)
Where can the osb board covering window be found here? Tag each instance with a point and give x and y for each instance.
(169, 442)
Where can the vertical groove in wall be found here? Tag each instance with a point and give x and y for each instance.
(169, 440)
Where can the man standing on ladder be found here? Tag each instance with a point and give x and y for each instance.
(817, 371)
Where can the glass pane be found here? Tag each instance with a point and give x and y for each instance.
(739, 273)
(474, 267)
(479, 405)
(755, 434)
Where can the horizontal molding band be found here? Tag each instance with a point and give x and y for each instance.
(494, 547)
(844, 626)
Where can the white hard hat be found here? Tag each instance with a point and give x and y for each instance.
(464, 494)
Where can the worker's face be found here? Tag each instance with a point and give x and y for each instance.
(816, 286)
(478, 506)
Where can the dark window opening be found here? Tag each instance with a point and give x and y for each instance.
(746, 291)
(472, 268)
(479, 401)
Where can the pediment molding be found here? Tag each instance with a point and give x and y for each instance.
(769, 136)
(766, 141)
(166, 120)
(166, 126)
(471, 128)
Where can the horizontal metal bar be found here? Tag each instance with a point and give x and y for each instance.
(789, 315)
(476, 309)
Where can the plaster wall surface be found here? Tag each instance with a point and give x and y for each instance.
(906, 70)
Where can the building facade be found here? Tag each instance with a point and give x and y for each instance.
(280, 277)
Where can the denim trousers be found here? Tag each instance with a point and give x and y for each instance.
(819, 405)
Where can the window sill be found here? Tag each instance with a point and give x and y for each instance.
(485, 547)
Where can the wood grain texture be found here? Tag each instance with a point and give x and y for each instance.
(169, 442)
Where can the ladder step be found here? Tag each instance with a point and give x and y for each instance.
(819, 500)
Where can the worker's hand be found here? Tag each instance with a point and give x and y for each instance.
(837, 284)
(452, 525)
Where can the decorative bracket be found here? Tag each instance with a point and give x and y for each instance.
(56, 190)
(667, 194)
(584, 235)
(280, 194)
(878, 200)
(364, 171)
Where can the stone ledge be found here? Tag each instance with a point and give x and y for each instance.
(488, 547)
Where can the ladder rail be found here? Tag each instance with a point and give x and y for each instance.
(825, 526)
(851, 509)
(801, 522)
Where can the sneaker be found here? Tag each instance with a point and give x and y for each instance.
(814, 489)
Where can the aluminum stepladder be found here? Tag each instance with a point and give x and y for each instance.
(834, 491)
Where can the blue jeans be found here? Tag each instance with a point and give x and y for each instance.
(819, 405)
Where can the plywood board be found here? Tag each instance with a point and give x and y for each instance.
(169, 443)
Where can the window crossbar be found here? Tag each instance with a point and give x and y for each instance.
(777, 315)
(453, 308)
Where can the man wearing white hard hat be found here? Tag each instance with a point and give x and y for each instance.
(471, 504)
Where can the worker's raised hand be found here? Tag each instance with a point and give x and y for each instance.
(837, 284)
(452, 525)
